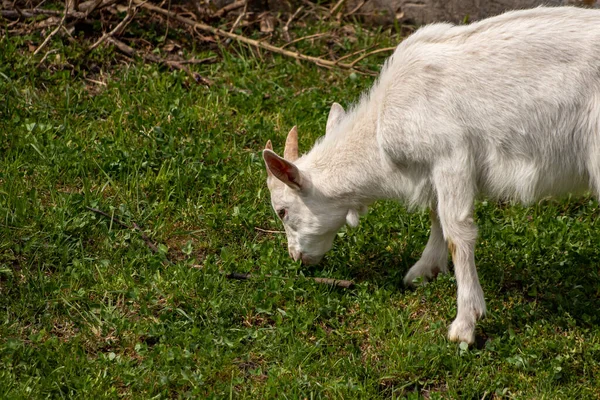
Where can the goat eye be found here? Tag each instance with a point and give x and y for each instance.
(282, 212)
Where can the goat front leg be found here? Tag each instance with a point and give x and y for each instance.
(455, 209)
(434, 259)
(470, 301)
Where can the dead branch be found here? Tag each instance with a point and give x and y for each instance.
(230, 7)
(216, 31)
(326, 281)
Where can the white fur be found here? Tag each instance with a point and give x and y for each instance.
(508, 107)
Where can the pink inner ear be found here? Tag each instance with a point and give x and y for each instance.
(283, 170)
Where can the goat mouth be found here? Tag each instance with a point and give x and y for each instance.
(309, 260)
(305, 259)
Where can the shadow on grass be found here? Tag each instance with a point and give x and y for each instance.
(564, 296)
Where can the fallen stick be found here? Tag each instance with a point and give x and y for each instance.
(326, 281)
(353, 63)
(216, 31)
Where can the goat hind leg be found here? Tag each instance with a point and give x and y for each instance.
(434, 259)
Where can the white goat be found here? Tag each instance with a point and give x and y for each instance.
(508, 107)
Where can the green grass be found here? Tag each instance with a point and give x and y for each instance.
(88, 311)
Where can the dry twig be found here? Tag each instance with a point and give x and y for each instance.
(355, 53)
(354, 62)
(130, 13)
(326, 281)
(99, 83)
(46, 56)
(239, 18)
(335, 7)
(230, 7)
(70, 37)
(54, 32)
(313, 36)
(286, 27)
(355, 9)
(267, 230)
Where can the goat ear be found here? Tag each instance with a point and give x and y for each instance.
(335, 115)
(283, 170)
(352, 218)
